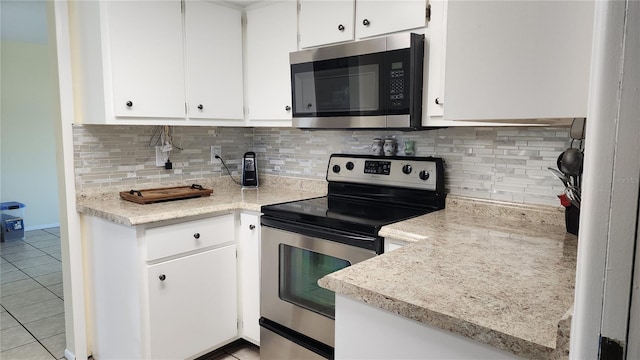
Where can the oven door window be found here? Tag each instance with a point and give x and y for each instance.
(300, 270)
(351, 86)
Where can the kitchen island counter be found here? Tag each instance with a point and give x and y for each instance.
(498, 273)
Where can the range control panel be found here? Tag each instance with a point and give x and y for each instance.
(409, 172)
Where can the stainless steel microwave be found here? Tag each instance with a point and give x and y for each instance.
(366, 84)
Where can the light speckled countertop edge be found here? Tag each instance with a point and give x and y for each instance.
(539, 214)
(143, 219)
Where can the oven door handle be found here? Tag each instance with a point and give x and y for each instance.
(362, 241)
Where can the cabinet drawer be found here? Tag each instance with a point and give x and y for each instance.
(187, 236)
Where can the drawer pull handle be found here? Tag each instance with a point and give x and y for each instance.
(196, 236)
(251, 227)
(162, 277)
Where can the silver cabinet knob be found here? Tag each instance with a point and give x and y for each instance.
(287, 108)
(196, 236)
(162, 277)
(438, 101)
(252, 227)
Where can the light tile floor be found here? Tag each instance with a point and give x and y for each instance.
(31, 298)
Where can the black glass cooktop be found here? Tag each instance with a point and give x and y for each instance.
(349, 215)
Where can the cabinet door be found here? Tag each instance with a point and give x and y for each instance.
(325, 22)
(249, 267)
(192, 303)
(377, 17)
(145, 39)
(271, 36)
(517, 59)
(213, 47)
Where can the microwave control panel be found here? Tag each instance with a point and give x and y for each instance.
(396, 84)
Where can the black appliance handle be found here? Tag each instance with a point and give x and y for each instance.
(362, 241)
(306, 342)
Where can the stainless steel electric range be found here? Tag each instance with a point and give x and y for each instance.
(304, 240)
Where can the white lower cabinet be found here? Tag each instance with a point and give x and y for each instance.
(194, 295)
(359, 325)
(161, 291)
(249, 275)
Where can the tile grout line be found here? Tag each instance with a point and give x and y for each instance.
(30, 333)
(42, 285)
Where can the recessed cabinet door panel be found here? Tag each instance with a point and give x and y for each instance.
(517, 59)
(213, 46)
(271, 36)
(192, 303)
(145, 39)
(377, 17)
(325, 22)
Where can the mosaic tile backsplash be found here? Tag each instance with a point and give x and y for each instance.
(499, 163)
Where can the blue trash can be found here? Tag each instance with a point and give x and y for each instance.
(12, 220)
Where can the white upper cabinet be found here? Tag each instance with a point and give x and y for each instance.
(270, 37)
(377, 17)
(145, 40)
(213, 52)
(142, 62)
(326, 22)
(508, 61)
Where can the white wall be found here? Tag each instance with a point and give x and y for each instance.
(27, 143)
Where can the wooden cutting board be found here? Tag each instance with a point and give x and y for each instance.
(150, 196)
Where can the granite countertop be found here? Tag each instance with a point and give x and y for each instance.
(501, 274)
(226, 196)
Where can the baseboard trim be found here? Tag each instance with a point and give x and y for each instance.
(40, 227)
(69, 355)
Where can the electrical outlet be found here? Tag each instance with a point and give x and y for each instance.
(215, 150)
(161, 157)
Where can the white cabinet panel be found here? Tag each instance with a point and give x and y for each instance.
(194, 295)
(271, 34)
(141, 62)
(377, 17)
(249, 268)
(145, 39)
(320, 22)
(359, 325)
(517, 59)
(213, 51)
(325, 22)
(188, 236)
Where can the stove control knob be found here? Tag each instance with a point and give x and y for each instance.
(424, 175)
(407, 169)
(336, 168)
(349, 166)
